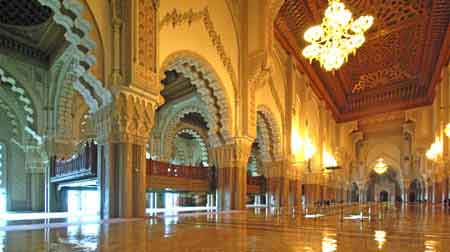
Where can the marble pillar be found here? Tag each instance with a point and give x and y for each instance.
(231, 162)
(122, 138)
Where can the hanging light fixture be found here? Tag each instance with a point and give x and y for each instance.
(380, 167)
(337, 36)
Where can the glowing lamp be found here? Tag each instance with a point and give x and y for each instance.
(380, 167)
(339, 35)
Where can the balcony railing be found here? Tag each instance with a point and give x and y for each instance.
(82, 165)
(157, 168)
(256, 184)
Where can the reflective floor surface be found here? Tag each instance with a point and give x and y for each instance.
(350, 228)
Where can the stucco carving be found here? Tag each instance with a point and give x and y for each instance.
(175, 18)
(270, 134)
(23, 99)
(208, 85)
(69, 15)
(234, 154)
(169, 133)
(128, 119)
(145, 66)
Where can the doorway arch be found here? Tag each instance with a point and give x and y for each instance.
(384, 196)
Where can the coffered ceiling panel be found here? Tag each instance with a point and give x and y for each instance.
(406, 46)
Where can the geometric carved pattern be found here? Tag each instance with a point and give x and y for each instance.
(268, 134)
(12, 119)
(380, 78)
(146, 40)
(197, 137)
(396, 63)
(23, 12)
(27, 105)
(391, 13)
(208, 85)
(172, 125)
(77, 32)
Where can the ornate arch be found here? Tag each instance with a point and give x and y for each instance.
(389, 152)
(12, 119)
(25, 101)
(194, 132)
(209, 86)
(170, 130)
(69, 15)
(269, 134)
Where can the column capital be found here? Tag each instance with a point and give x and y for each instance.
(127, 119)
(233, 154)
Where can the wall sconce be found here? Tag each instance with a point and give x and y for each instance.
(447, 130)
(329, 162)
(303, 149)
(434, 153)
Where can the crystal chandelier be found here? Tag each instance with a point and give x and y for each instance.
(380, 166)
(337, 36)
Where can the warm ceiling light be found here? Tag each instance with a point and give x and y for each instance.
(380, 166)
(337, 36)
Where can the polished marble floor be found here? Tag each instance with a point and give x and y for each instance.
(351, 228)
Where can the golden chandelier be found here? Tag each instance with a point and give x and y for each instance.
(380, 166)
(337, 36)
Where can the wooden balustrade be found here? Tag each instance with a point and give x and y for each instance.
(257, 180)
(83, 164)
(157, 168)
(165, 175)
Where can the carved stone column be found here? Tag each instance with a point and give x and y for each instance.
(123, 130)
(297, 185)
(34, 164)
(231, 162)
(279, 183)
(123, 126)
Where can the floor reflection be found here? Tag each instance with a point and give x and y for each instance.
(380, 237)
(411, 228)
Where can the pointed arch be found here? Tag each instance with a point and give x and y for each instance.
(25, 103)
(269, 134)
(196, 134)
(69, 15)
(170, 131)
(209, 86)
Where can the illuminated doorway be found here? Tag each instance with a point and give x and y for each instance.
(83, 202)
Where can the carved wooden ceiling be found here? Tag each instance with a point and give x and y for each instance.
(176, 86)
(396, 68)
(27, 30)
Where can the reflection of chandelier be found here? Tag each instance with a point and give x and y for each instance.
(337, 36)
(380, 166)
(380, 237)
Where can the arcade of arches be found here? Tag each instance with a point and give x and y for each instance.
(132, 108)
